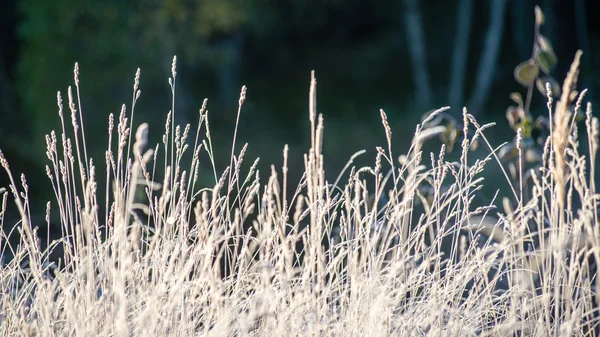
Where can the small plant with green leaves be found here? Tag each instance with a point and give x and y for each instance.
(535, 73)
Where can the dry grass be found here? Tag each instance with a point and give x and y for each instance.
(170, 258)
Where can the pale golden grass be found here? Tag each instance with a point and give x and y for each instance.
(172, 257)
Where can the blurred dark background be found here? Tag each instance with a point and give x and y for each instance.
(404, 56)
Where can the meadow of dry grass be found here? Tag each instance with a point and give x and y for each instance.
(165, 256)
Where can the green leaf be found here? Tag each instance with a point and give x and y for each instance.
(517, 98)
(540, 83)
(526, 72)
(526, 127)
(545, 44)
(539, 16)
(573, 96)
(450, 135)
(580, 116)
(515, 116)
(545, 60)
(546, 56)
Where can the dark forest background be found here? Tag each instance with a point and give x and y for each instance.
(404, 56)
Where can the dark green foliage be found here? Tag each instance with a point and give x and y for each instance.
(112, 38)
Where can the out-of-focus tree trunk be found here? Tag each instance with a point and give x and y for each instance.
(168, 51)
(489, 57)
(521, 26)
(13, 129)
(231, 47)
(461, 52)
(416, 48)
(583, 44)
(7, 102)
(550, 23)
(550, 30)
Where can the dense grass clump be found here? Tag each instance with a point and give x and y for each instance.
(368, 255)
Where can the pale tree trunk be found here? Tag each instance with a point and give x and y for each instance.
(461, 52)
(489, 57)
(416, 48)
